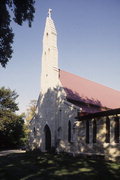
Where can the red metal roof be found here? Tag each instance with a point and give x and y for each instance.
(83, 90)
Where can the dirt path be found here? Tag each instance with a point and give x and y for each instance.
(7, 152)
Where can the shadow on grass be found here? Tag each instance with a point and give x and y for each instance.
(43, 166)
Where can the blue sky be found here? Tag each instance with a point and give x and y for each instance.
(88, 44)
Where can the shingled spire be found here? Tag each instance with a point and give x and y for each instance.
(49, 73)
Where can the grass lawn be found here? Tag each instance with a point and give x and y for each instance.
(43, 166)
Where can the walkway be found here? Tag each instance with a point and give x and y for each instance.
(7, 152)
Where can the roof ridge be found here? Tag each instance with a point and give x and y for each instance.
(90, 80)
(81, 89)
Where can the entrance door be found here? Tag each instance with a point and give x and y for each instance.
(47, 138)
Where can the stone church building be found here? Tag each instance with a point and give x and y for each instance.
(73, 114)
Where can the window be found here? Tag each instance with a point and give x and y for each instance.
(87, 131)
(59, 133)
(94, 130)
(116, 130)
(69, 131)
(107, 130)
(34, 131)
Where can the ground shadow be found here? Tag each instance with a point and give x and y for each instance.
(37, 165)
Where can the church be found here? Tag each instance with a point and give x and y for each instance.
(73, 114)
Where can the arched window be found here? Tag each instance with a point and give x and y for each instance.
(94, 130)
(87, 131)
(34, 131)
(59, 133)
(116, 131)
(107, 130)
(69, 131)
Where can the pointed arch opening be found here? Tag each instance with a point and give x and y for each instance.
(116, 130)
(87, 131)
(94, 131)
(47, 138)
(69, 131)
(107, 130)
(34, 132)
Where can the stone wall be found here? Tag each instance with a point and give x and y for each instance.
(111, 149)
(56, 112)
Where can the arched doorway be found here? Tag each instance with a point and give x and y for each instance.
(47, 138)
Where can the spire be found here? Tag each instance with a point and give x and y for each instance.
(49, 13)
(49, 73)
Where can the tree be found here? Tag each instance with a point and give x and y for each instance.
(11, 125)
(11, 130)
(31, 110)
(7, 100)
(22, 10)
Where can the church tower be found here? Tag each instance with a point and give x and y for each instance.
(49, 73)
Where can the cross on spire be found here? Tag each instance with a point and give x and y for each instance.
(49, 13)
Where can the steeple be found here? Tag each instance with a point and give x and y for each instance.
(49, 13)
(49, 73)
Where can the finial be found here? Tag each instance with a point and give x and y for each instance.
(49, 13)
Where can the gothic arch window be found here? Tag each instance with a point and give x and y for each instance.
(94, 130)
(107, 130)
(59, 133)
(34, 131)
(87, 131)
(69, 131)
(116, 130)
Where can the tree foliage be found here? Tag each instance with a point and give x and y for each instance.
(7, 100)
(11, 130)
(22, 10)
(31, 110)
(11, 125)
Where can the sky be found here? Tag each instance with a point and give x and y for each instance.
(88, 45)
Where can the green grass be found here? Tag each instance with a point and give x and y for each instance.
(43, 166)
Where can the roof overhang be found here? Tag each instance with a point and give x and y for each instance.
(99, 114)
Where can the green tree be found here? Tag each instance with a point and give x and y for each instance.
(12, 128)
(7, 100)
(31, 111)
(21, 10)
